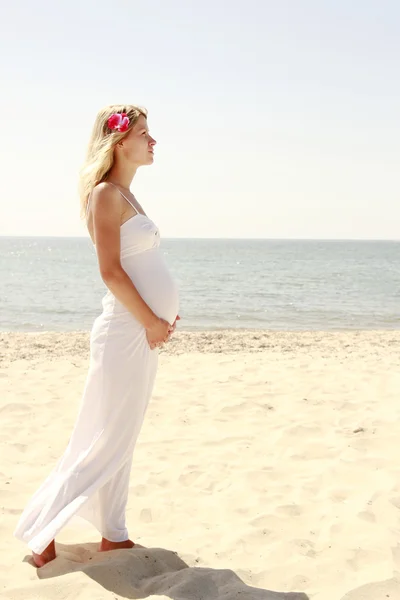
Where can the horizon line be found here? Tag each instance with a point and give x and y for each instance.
(267, 239)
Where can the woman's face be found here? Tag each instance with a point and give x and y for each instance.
(138, 146)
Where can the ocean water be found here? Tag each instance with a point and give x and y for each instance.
(53, 284)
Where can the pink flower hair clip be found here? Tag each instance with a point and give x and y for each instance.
(118, 122)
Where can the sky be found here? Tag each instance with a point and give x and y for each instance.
(273, 119)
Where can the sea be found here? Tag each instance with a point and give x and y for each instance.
(53, 284)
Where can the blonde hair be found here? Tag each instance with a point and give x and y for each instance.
(100, 152)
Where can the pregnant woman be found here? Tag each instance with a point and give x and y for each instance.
(140, 310)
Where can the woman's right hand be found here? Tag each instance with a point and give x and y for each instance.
(158, 333)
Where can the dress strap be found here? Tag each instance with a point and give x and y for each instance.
(123, 195)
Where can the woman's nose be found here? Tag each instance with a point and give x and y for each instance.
(152, 142)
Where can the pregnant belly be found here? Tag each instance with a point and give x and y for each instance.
(154, 282)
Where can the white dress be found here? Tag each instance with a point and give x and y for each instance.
(92, 477)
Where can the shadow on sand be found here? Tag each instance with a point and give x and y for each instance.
(142, 572)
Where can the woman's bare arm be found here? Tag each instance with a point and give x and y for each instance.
(106, 215)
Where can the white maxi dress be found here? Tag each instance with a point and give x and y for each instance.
(91, 479)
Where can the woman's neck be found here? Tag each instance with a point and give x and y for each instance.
(121, 176)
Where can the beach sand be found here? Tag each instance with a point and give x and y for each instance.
(268, 463)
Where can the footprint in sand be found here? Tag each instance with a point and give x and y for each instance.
(291, 510)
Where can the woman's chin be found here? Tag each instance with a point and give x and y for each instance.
(147, 161)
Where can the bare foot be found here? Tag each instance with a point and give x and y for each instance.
(47, 555)
(106, 545)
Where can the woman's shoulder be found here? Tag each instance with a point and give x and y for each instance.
(105, 189)
(105, 199)
(105, 193)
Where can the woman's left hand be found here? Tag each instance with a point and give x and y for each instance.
(171, 330)
(173, 327)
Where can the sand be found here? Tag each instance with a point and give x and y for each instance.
(267, 469)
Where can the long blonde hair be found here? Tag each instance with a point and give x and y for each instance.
(100, 152)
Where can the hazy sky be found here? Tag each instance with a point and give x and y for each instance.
(274, 119)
